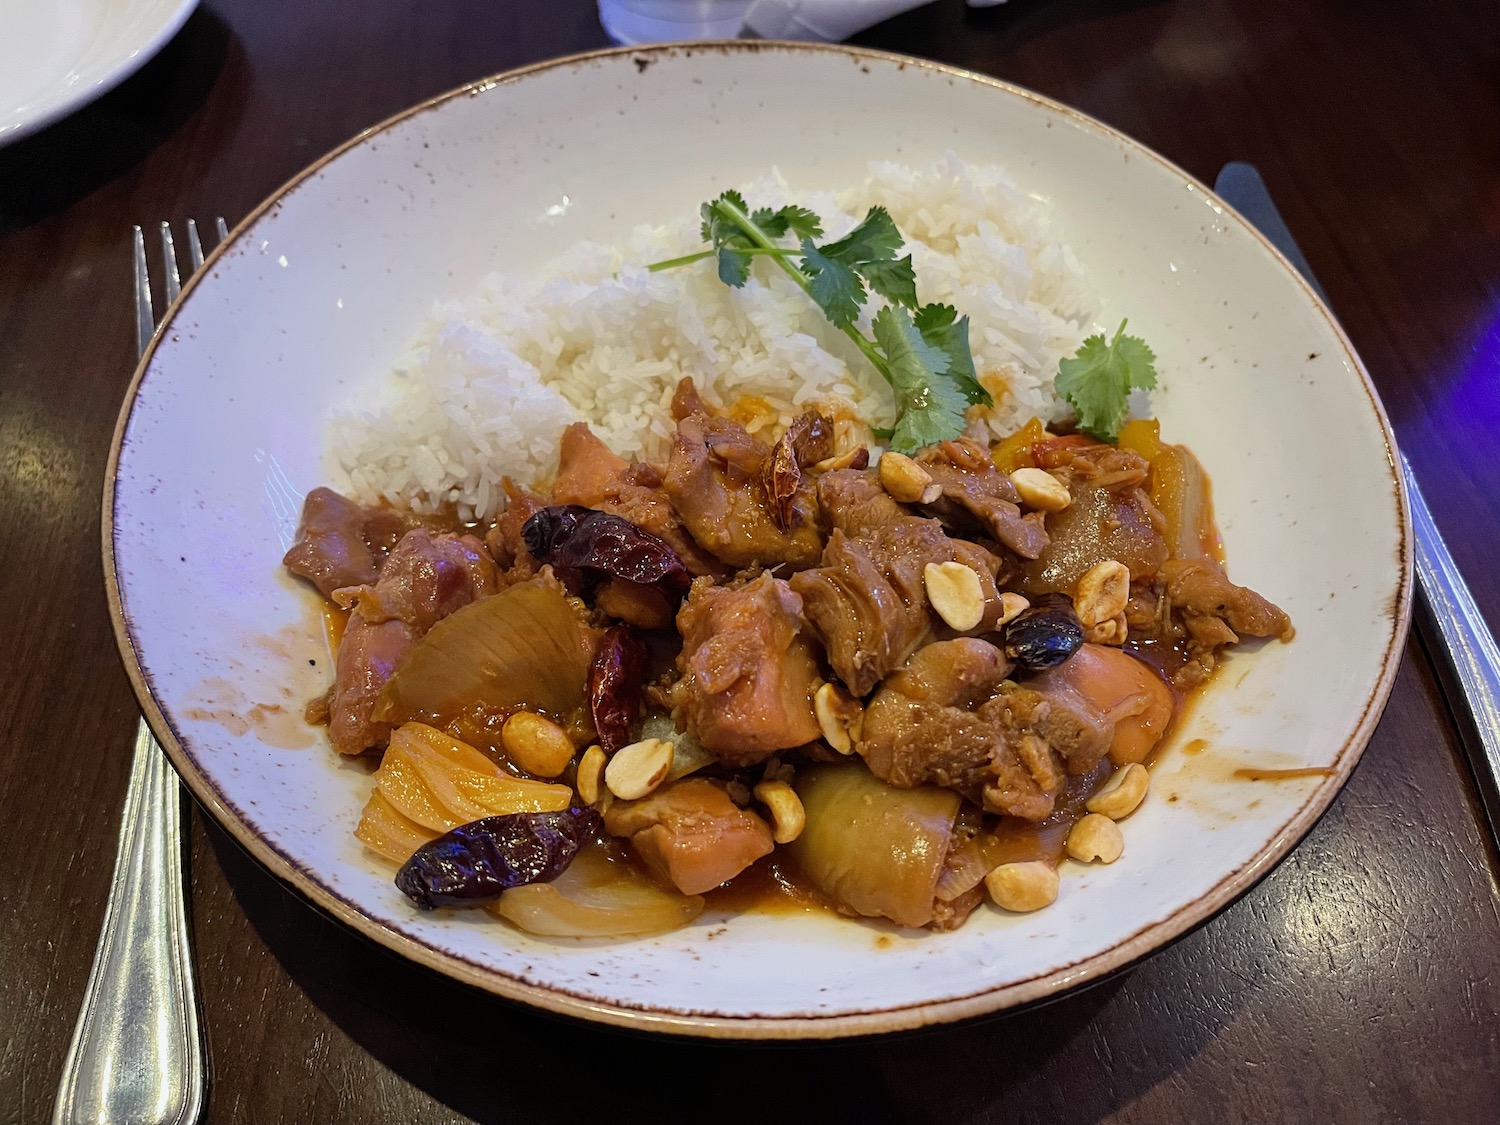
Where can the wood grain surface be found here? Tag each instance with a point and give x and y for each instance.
(1359, 982)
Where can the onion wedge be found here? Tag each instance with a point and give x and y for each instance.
(524, 647)
(597, 897)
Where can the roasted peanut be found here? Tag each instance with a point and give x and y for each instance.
(787, 815)
(956, 593)
(856, 458)
(636, 770)
(1095, 837)
(1011, 607)
(1115, 631)
(1023, 886)
(591, 774)
(1102, 592)
(905, 480)
(1122, 794)
(1041, 490)
(840, 717)
(536, 744)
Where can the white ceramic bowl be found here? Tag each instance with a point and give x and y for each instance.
(320, 288)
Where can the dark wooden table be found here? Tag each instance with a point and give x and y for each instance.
(1359, 982)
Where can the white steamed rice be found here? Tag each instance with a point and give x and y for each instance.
(497, 374)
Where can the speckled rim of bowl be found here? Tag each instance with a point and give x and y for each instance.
(1041, 987)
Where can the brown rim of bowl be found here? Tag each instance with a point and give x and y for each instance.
(803, 1026)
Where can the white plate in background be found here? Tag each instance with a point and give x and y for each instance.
(58, 55)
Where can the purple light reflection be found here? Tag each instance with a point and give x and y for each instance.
(1472, 401)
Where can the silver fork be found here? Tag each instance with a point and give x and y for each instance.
(137, 1053)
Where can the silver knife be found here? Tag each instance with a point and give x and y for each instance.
(1453, 627)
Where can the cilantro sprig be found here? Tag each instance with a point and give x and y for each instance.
(921, 351)
(1098, 380)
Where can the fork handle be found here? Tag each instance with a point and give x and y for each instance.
(136, 1054)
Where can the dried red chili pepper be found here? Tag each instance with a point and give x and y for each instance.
(574, 537)
(808, 440)
(473, 863)
(617, 680)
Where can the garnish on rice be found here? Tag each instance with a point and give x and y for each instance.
(1098, 380)
(922, 351)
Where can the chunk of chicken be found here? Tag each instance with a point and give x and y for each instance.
(870, 621)
(715, 479)
(1201, 589)
(1126, 691)
(368, 656)
(340, 543)
(926, 725)
(589, 473)
(586, 468)
(330, 550)
(691, 834)
(686, 400)
(950, 718)
(868, 600)
(1078, 461)
(975, 494)
(748, 670)
(425, 578)
(921, 725)
(1214, 612)
(855, 503)
(504, 541)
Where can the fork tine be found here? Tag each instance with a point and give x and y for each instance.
(195, 248)
(169, 255)
(145, 317)
(145, 314)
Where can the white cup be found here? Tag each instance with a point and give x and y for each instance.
(660, 21)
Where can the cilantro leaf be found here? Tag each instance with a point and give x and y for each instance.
(1098, 380)
(876, 239)
(716, 225)
(867, 252)
(931, 405)
(734, 267)
(923, 353)
(802, 222)
(799, 220)
(834, 285)
(942, 327)
(769, 221)
(894, 280)
(730, 242)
